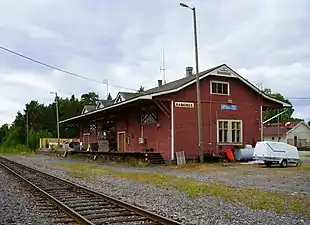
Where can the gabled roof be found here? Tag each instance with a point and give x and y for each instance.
(123, 96)
(301, 122)
(129, 95)
(222, 70)
(88, 109)
(177, 85)
(284, 128)
(103, 103)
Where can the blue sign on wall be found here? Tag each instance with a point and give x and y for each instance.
(228, 107)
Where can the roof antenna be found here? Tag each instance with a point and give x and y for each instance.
(162, 68)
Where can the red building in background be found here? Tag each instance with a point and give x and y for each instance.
(164, 118)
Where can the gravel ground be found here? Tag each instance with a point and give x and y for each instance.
(170, 203)
(267, 179)
(19, 206)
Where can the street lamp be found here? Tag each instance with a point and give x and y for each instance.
(57, 115)
(200, 152)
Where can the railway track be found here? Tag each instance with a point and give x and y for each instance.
(83, 205)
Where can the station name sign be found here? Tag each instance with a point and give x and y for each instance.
(184, 104)
(228, 107)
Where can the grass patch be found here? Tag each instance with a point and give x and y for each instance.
(211, 167)
(302, 168)
(77, 174)
(224, 167)
(252, 197)
(75, 165)
(39, 164)
(18, 150)
(135, 162)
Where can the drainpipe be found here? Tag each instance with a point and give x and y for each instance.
(278, 125)
(261, 124)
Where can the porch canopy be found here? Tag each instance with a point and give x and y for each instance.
(107, 112)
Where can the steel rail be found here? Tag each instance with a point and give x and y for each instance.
(54, 201)
(142, 212)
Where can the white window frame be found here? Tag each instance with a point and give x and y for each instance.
(229, 135)
(220, 82)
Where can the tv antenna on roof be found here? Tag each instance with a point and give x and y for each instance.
(162, 68)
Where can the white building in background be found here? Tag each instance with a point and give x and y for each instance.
(293, 133)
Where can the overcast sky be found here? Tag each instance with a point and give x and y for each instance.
(266, 41)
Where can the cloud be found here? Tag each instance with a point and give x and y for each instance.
(122, 41)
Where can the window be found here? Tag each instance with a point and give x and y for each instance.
(236, 131)
(229, 131)
(148, 115)
(223, 131)
(218, 87)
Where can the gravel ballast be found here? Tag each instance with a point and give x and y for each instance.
(18, 205)
(169, 202)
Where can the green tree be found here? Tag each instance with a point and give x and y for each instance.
(109, 97)
(141, 89)
(4, 131)
(90, 98)
(42, 121)
(286, 116)
(69, 108)
(309, 122)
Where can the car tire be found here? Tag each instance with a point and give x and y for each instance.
(283, 163)
(268, 164)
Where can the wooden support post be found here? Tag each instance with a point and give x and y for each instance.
(161, 106)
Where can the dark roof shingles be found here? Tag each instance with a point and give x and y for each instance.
(89, 108)
(105, 102)
(129, 95)
(177, 83)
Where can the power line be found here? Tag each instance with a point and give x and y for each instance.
(61, 70)
(299, 98)
(91, 79)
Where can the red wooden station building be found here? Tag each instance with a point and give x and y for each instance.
(164, 119)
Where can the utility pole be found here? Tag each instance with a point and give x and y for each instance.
(57, 116)
(199, 120)
(27, 127)
(105, 81)
(163, 68)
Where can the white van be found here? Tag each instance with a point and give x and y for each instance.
(276, 152)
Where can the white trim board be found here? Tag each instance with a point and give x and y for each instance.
(99, 105)
(119, 98)
(172, 130)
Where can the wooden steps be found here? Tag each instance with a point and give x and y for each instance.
(155, 158)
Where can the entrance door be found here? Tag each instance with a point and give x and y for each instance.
(85, 141)
(295, 141)
(121, 141)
